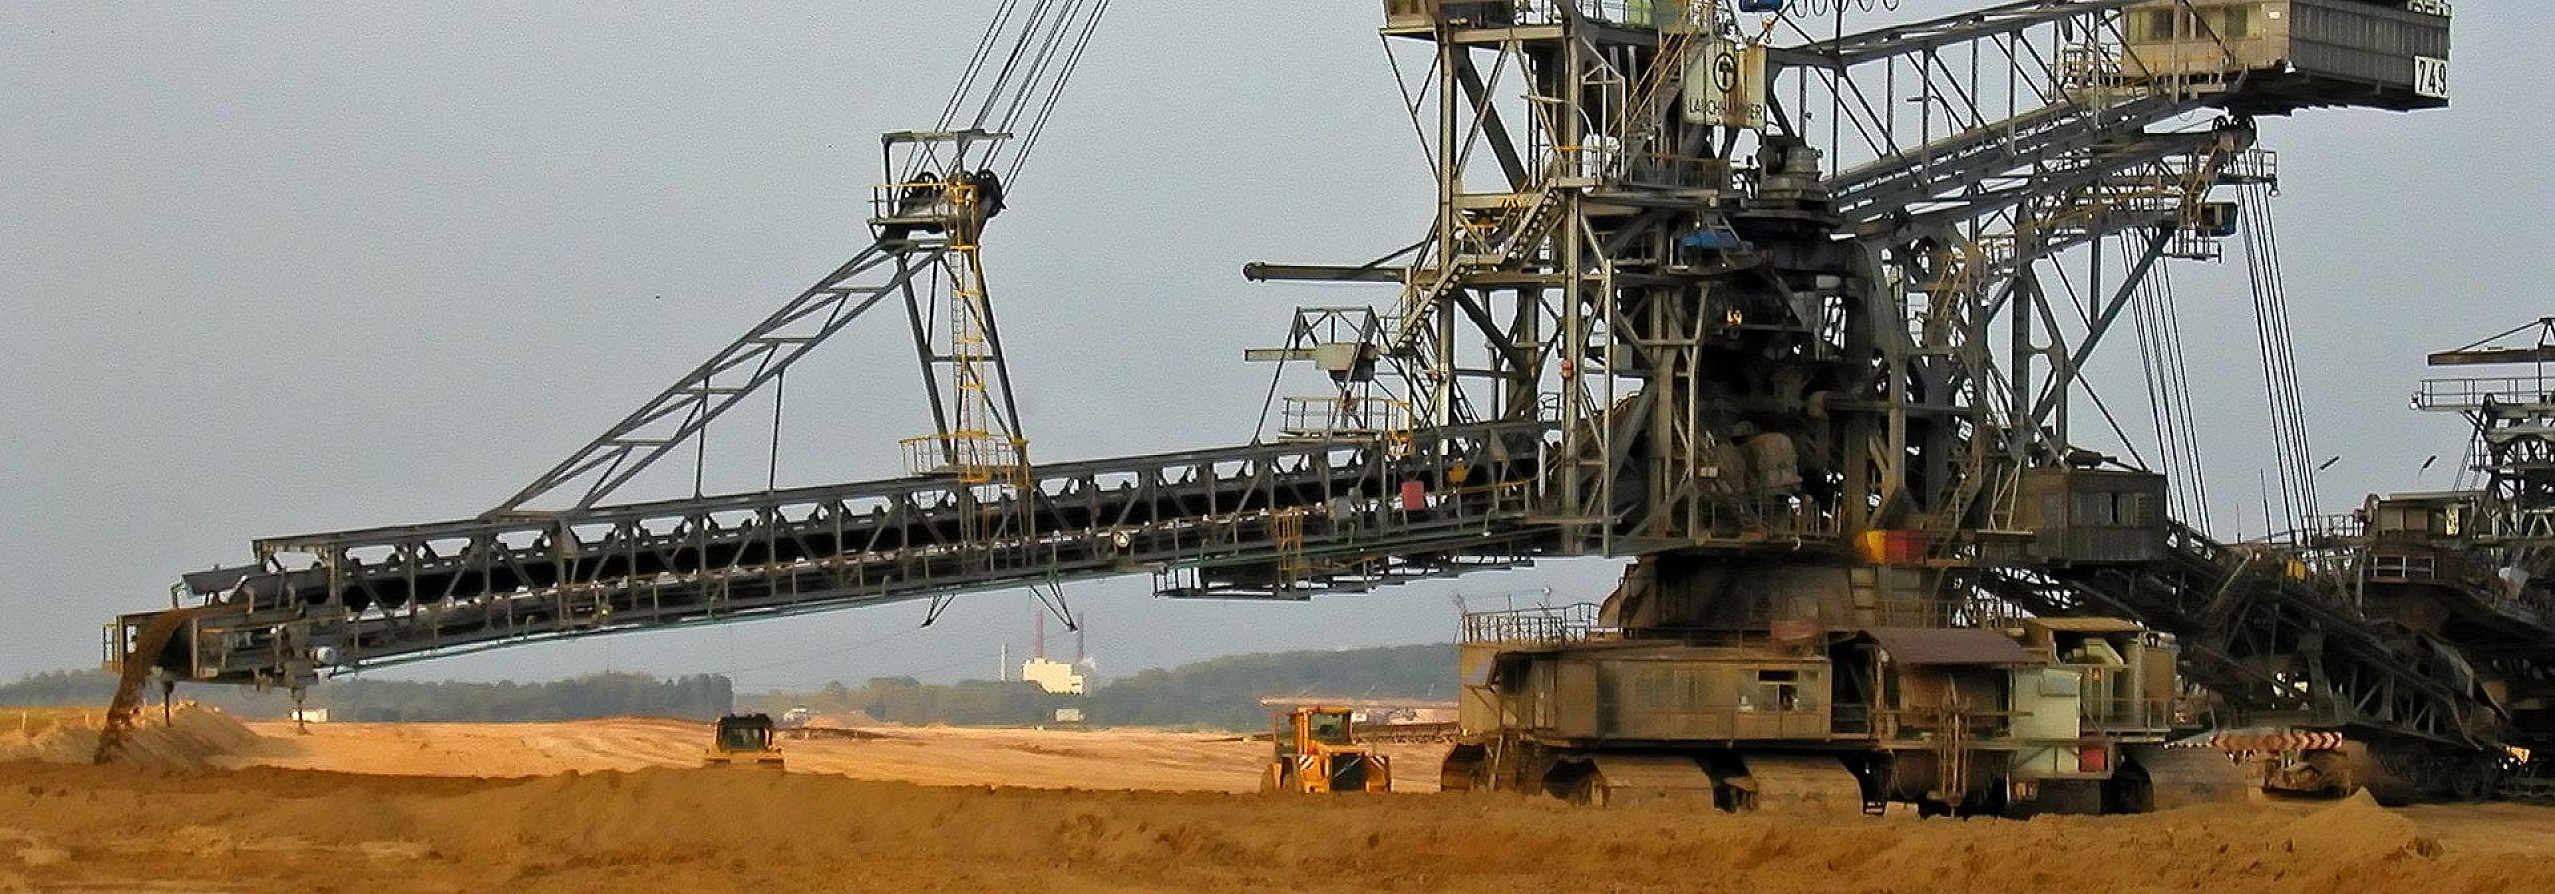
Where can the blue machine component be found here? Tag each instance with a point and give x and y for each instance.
(1713, 240)
(1760, 5)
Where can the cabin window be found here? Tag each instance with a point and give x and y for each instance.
(1329, 728)
(2235, 23)
(1778, 690)
(2093, 508)
(2112, 509)
(2152, 25)
(2134, 510)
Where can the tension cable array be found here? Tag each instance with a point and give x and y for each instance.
(2279, 363)
(2168, 374)
(1040, 43)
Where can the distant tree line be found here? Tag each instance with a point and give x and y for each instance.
(695, 697)
(912, 702)
(699, 697)
(59, 689)
(1224, 693)
(1221, 693)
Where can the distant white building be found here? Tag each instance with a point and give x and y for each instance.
(1056, 677)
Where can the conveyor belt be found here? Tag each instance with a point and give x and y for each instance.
(1261, 521)
(2270, 642)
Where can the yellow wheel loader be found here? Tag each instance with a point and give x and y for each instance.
(1317, 751)
(743, 740)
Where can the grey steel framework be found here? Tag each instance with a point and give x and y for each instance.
(401, 592)
(1730, 345)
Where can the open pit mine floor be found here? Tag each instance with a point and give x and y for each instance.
(617, 806)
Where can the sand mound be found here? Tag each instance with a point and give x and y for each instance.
(193, 737)
(694, 830)
(632, 814)
(2357, 827)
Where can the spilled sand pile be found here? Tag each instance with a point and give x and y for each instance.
(192, 737)
(748, 830)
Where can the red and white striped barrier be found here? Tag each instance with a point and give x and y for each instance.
(2285, 740)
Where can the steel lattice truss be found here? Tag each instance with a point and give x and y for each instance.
(1892, 287)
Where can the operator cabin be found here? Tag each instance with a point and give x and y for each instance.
(2284, 55)
(2277, 56)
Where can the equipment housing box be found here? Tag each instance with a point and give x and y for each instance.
(1636, 693)
(2094, 516)
(1420, 14)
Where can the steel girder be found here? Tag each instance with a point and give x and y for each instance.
(1951, 30)
(753, 360)
(1335, 514)
(2276, 646)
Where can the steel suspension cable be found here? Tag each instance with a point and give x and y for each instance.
(2168, 376)
(1039, 45)
(976, 63)
(2279, 359)
(1027, 36)
(1056, 89)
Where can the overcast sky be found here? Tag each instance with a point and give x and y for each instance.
(273, 268)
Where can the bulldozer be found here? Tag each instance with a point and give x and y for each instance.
(742, 740)
(1317, 751)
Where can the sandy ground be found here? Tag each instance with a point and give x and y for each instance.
(1055, 758)
(617, 806)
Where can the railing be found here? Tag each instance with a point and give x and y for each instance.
(2474, 393)
(1645, 13)
(2191, 245)
(2103, 713)
(2408, 568)
(2090, 65)
(1326, 417)
(1659, 170)
(378, 595)
(2252, 166)
(2336, 526)
(927, 205)
(974, 457)
(1541, 625)
(1664, 14)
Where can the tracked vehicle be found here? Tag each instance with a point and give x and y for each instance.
(2026, 715)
